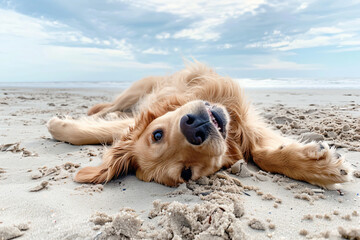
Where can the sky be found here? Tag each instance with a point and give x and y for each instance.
(124, 40)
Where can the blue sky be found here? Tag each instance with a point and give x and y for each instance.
(114, 40)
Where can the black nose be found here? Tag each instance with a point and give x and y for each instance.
(195, 127)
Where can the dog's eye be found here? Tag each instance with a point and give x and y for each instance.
(157, 135)
(186, 174)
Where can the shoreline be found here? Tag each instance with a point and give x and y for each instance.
(251, 84)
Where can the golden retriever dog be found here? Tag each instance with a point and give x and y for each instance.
(191, 124)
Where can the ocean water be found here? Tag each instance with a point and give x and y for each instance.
(245, 83)
(66, 84)
(301, 83)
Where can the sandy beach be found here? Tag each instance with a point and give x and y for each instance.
(39, 200)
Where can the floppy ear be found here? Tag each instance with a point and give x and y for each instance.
(118, 160)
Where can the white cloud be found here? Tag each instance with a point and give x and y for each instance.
(155, 51)
(202, 31)
(303, 6)
(106, 42)
(163, 35)
(211, 14)
(225, 46)
(324, 30)
(32, 46)
(343, 33)
(43, 31)
(201, 34)
(346, 49)
(97, 58)
(318, 41)
(200, 8)
(18, 25)
(276, 64)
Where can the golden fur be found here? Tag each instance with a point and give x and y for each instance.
(159, 103)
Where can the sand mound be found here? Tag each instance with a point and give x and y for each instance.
(126, 224)
(329, 123)
(353, 234)
(217, 217)
(100, 218)
(10, 232)
(201, 221)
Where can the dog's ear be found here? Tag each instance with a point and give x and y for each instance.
(118, 160)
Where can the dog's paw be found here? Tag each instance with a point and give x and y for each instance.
(57, 128)
(327, 166)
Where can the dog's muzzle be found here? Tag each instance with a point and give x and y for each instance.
(197, 127)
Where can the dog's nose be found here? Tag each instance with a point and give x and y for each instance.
(195, 127)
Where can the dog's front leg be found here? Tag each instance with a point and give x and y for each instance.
(88, 130)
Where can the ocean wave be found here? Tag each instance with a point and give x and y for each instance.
(244, 82)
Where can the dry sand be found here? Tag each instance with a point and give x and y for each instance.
(39, 200)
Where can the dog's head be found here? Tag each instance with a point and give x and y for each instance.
(169, 144)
